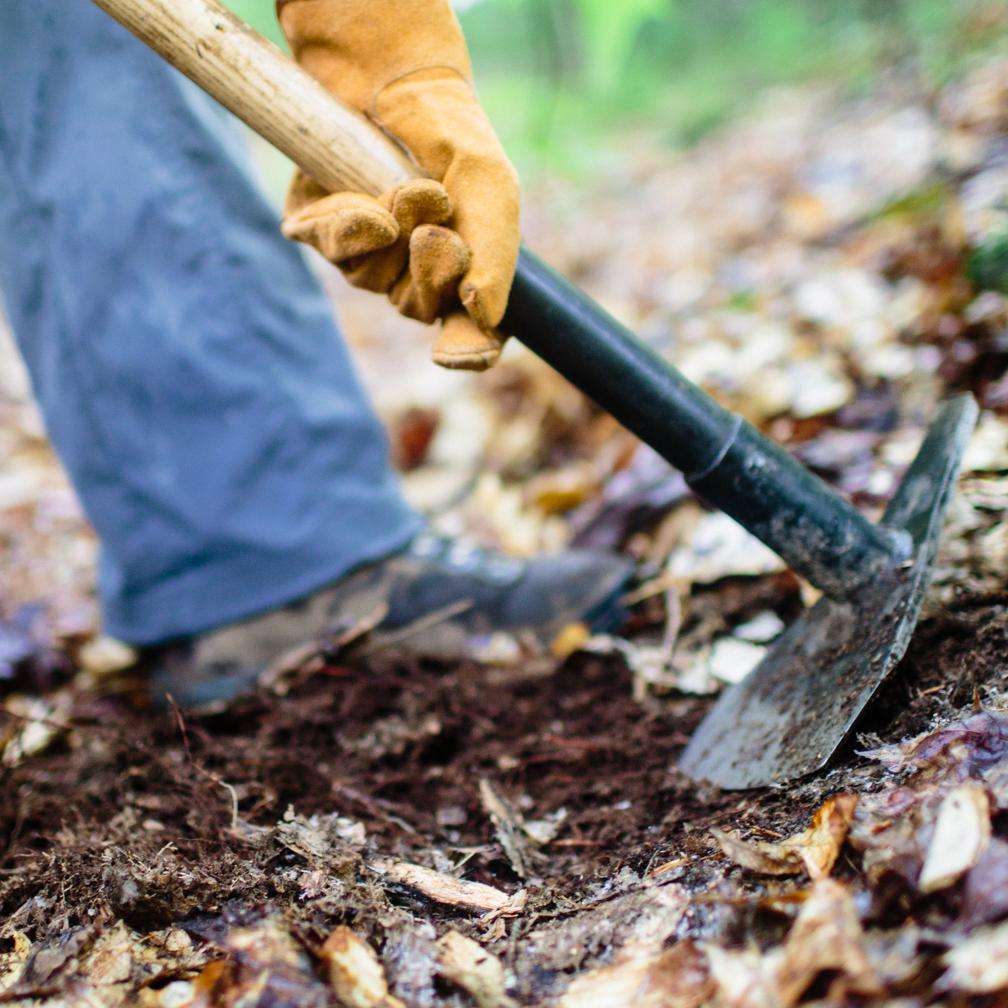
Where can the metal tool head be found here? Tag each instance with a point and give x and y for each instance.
(799, 705)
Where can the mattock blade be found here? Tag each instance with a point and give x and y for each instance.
(790, 715)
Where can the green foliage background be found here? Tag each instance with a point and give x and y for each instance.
(560, 76)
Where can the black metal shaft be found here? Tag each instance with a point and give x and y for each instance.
(724, 458)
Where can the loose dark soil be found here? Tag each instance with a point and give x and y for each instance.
(150, 816)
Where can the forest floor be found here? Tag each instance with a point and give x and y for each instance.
(507, 825)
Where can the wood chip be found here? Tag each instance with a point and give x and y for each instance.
(508, 826)
(450, 891)
(355, 974)
(468, 965)
(101, 656)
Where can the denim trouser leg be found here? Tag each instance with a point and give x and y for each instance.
(186, 362)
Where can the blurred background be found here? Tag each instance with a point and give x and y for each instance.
(560, 77)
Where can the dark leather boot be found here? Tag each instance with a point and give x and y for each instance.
(456, 589)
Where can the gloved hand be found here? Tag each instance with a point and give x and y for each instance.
(443, 247)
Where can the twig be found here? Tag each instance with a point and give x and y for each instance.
(374, 806)
(209, 774)
(424, 623)
(656, 586)
(673, 619)
(48, 722)
(35, 994)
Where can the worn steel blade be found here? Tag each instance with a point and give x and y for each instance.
(799, 705)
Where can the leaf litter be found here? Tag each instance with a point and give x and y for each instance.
(506, 826)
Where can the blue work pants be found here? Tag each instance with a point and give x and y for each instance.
(186, 361)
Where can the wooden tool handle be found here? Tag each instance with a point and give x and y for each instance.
(266, 89)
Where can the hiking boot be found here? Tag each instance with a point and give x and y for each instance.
(431, 598)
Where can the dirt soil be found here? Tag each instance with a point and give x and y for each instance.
(164, 820)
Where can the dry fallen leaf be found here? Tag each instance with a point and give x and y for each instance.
(985, 893)
(678, 977)
(569, 638)
(103, 656)
(268, 964)
(745, 978)
(979, 965)
(719, 547)
(12, 962)
(815, 849)
(969, 746)
(731, 660)
(961, 834)
(561, 490)
(826, 936)
(914, 821)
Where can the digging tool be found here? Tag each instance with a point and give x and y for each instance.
(792, 713)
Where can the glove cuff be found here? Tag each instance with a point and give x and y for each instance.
(357, 48)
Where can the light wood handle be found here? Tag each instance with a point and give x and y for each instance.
(266, 89)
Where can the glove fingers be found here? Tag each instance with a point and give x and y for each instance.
(436, 115)
(414, 203)
(487, 221)
(419, 201)
(379, 271)
(462, 345)
(438, 258)
(343, 226)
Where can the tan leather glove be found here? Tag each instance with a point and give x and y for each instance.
(443, 247)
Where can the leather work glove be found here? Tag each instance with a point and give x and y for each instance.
(442, 247)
